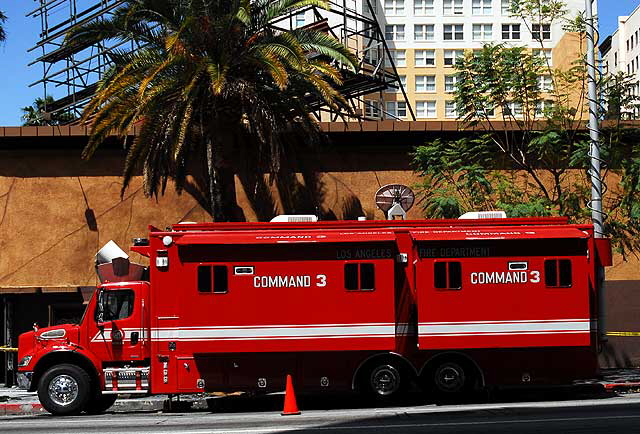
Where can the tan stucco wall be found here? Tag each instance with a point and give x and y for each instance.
(46, 242)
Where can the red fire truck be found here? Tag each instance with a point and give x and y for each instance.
(450, 305)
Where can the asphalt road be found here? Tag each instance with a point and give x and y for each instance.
(610, 416)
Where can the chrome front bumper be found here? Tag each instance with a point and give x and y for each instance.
(24, 380)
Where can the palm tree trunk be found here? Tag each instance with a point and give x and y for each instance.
(215, 191)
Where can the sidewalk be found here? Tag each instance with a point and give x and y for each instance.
(14, 401)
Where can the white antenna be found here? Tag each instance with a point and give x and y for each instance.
(395, 200)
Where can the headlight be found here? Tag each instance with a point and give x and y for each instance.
(25, 361)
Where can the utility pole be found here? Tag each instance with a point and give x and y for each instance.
(597, 215)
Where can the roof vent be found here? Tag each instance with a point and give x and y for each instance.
(475, 215)
(302, 218)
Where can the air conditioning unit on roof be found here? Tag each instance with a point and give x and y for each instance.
(302, 218)
(476, 215)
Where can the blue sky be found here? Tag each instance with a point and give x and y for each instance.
(22, 34)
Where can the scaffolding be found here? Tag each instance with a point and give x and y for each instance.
(70, 75)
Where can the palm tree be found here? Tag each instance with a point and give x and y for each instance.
(34, 114)
(213, 87)
(3, 34)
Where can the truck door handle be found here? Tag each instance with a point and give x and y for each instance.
(135, 336)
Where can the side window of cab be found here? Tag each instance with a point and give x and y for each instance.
(114, 305)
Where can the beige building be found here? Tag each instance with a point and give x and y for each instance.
(426, 36)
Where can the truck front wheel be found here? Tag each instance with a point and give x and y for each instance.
(64, 389)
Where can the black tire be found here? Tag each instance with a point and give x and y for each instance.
(384, 381)
(450, 380)
(100, 403)
(64, 390)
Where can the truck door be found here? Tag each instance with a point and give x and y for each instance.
(119, 330)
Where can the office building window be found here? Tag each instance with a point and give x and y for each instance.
(482, 7)
(425, 58)
(482, 32)
(545, 56)
(394, 32)
(514, 109)
(426, 109)
(510, 32)
(423, 7)
(506, 7)
(541, 32)
(372, 109)
(451, 56)
(453, 7)
(453, 32)
(399, 58)
(450, 110)
(545, 83)
(423, 32)
(394, 7)
(425, 83)
(396, 109)
(450, 83)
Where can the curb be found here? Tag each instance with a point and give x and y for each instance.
(29, 409)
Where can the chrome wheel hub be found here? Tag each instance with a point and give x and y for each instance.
(63, 389)
(385, 380)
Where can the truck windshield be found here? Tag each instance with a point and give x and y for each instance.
(114, 305)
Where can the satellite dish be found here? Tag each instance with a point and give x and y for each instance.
(395, 200)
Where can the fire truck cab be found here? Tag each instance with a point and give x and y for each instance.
(450, 305)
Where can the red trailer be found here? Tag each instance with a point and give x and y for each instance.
(452, 305)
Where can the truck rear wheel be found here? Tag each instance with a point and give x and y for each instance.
(450, 380)
(384, 381)
(64, 389)
(100, 403)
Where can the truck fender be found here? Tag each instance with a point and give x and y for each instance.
(453, 355)
(403, 361)
(67, 355)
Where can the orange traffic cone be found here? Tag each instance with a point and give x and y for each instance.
(290, 405)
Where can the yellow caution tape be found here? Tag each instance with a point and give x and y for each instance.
(623, 333)
(8, 349)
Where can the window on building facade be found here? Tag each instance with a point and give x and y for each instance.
(394, 7)
(541, 32)
(399, 58)
(513, 108)
(300, 19)
(451, 56)
(426, 109)
(423, 7)
(396, 89)
(511, 32)
(453, 7)
(545, 83)
(453, 32)
(546, 56)
(505, 7)
(396, 109)
(425, 83)
(450, 110)
(482, 7)
(544, 107)
(425, 58)
(372, 109)
(487, 111)
(450, 83)
(482, 32)
(424, 32)
(394, 32)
